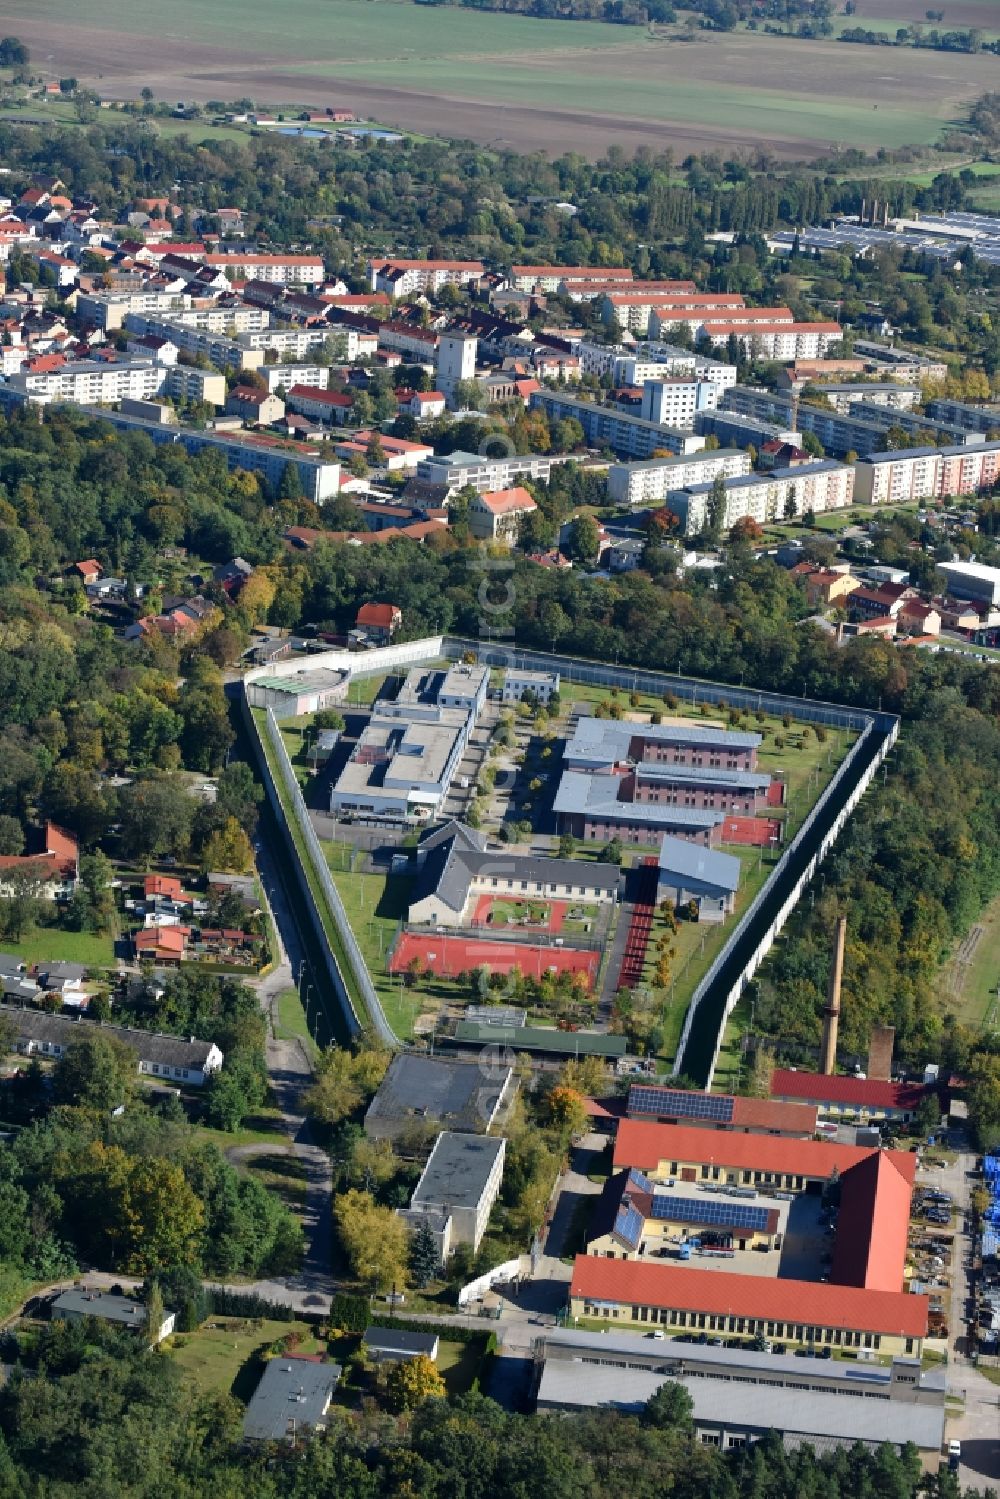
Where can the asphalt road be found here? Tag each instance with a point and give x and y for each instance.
(978, 1428)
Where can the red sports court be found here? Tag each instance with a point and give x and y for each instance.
(450, 956)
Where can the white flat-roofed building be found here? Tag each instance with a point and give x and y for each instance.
(896, 397)
(458, 470)
(91, 382)
(893, 478)
(604, 426)
(403, 765)
(652, 479)
(672, 400)
(457, 1189)
(518, 684)
(107, 309)
(972, 580)
(285, 376)
(188, 382)
(777, 495)
(224, 353)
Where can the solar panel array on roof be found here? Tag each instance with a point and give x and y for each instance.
(629, 1225)
(678, 1104)
(711, 1211)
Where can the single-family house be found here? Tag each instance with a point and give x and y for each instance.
(83, 1302)
(291, 1399)
(379, 621)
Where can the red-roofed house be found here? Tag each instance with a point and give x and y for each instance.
(872, 1223)
(321, 405)
(824, 586)
(162, 944)
(255, 405)
(636, 1293)
(497, 515)
(379, 621)
(691, 1154)
(55, 868)
(849, 1097)
(88, 571)
(166, 886)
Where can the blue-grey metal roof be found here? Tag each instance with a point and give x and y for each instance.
(293, 1395)
(597, 796)
(962, 450)
(689, 861)
(401, 1340)
(698, 775)
(616, 734)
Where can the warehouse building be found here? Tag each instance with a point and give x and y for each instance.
(739, 1395)
(860, 1100)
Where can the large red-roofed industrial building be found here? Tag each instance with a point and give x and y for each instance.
(679, 1299)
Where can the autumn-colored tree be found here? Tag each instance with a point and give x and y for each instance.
(228, 850)
(746, 529)
(586, 1075)
(375, 1241)
(412, 1381)
(566, 1109)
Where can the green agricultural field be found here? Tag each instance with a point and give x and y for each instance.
(524, 81)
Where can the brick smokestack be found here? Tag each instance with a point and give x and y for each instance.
(831, 1011)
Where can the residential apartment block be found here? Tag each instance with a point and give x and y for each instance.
(603, 426)
(925, 473)
(897, 397)
(673, 400)
(89, 382)
(774, 340)
(302, 269)
(985, 419)
(652, 480)
(106, 310)
(401, 278)
(457, 470)
(780, 494)
(549, 278)
(734, 430)
(640, 309)
(254, 451)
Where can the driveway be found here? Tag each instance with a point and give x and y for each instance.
(576, 1193)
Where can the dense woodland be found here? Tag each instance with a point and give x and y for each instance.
(147, 1433)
